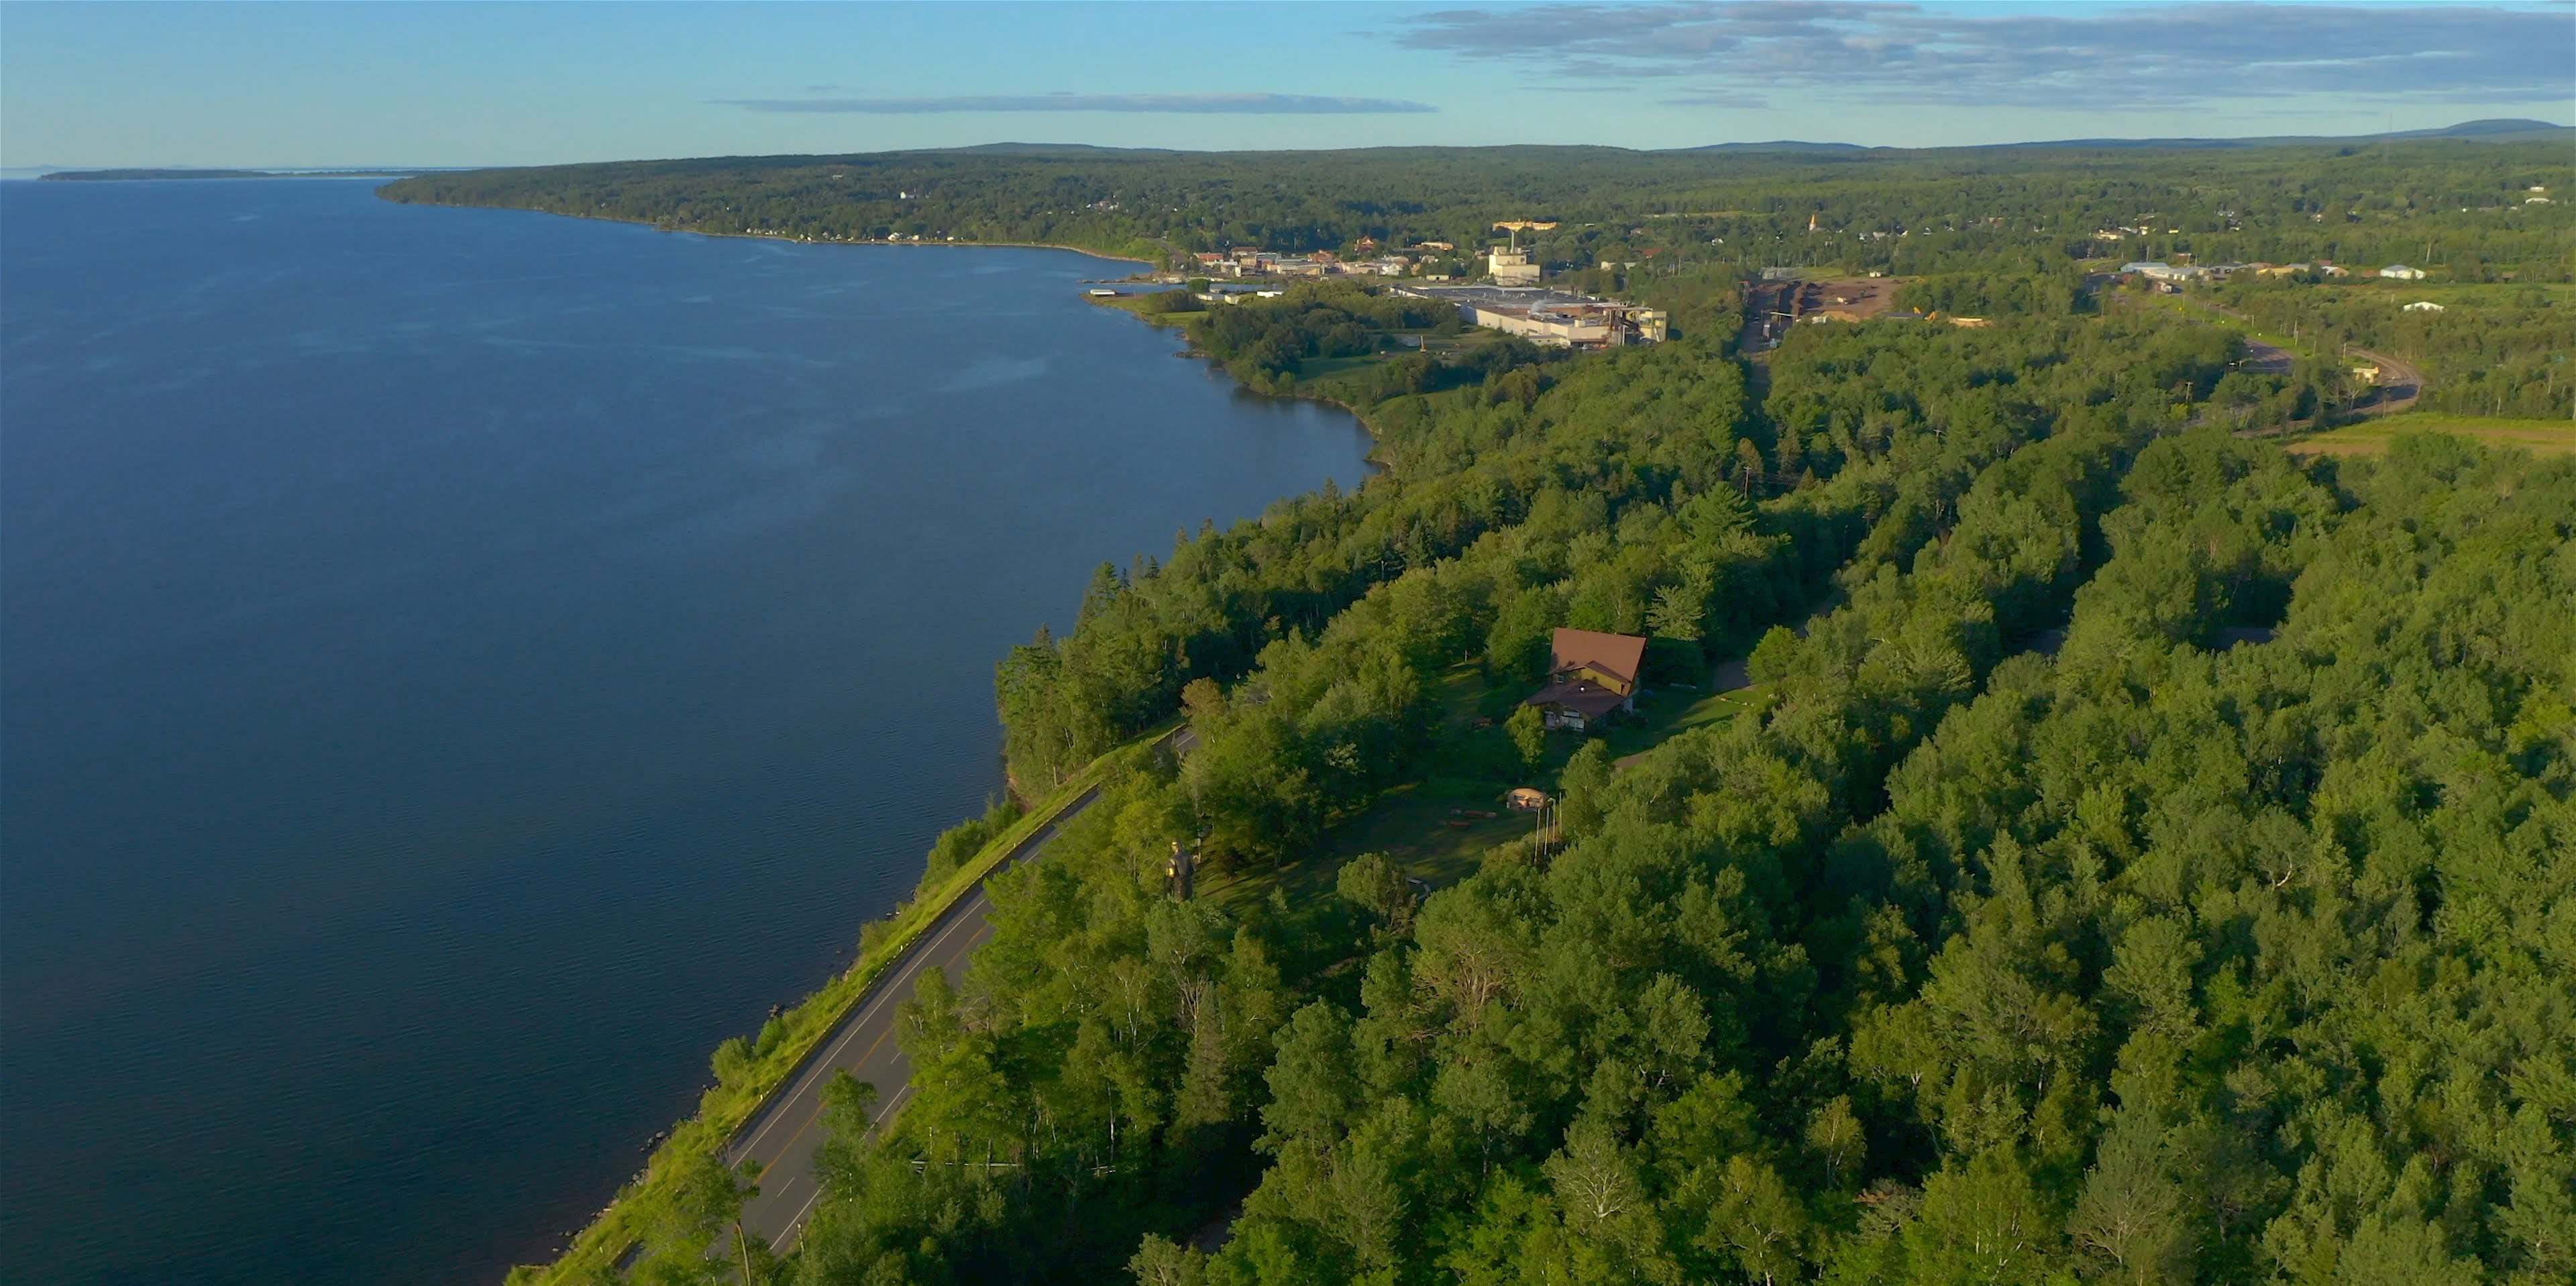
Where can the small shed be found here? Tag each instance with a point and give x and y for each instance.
(1525, 799)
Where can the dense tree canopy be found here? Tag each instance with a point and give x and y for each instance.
(2152, 857)
(2153, 960)
(1904, 212)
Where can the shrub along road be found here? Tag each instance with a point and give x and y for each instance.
(782, 1135)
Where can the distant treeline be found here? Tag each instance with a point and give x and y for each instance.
(1266, 343)
(82, 176)
(1988, 232)
(1903, 213)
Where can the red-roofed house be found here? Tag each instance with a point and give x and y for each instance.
(1590, 676)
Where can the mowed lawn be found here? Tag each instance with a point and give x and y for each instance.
(2371, 437)
(1726, 693)
(1439, 830)
(1430, 829)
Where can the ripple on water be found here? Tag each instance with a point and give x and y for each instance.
(461, 665)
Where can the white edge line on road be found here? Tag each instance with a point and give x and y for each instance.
(825, 1060)
(796, 1226)
(805, 1089)
(850, 1025)
(850, 1028)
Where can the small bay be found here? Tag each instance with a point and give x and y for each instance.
(457, 666)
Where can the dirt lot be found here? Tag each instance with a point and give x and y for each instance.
(1852, 298)
(1859, 296)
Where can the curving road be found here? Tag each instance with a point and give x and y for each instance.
(782, 1136)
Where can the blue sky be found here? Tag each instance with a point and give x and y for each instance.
(524, 83)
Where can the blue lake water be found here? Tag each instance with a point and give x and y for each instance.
(457, 666)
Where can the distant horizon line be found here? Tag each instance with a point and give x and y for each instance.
(283, 170)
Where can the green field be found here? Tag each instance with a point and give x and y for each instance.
(1673, 712)
(2540, 437)
(1414, 824)
(2462, 294)
(1436, 830)
(2201, 310)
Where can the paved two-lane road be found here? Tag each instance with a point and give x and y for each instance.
(783, 1135)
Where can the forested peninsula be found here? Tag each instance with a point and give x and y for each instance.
(2078, 823)
(163, 175)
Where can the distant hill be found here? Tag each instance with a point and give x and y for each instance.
(2495, 131)
(2490, 131)
(1055, 149)
(2502, 130)
(1778, 145)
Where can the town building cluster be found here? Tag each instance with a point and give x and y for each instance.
(1552, 318)
(1514, 303)
(2173, 275)
(1245, 261)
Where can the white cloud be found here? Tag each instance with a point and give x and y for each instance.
(2162, 56)
(1201, 104)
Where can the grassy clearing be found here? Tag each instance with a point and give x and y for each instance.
(2462, 294)
(1433, 829)
(1319, 370)
(1413, 824)
(1139, 305)
(645, 1200)
(1315, 370)
(1677, 711)
(2371, 437)
(2206, 313)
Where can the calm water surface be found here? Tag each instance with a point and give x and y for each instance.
(457, 666)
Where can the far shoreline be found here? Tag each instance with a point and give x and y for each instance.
(780, 236)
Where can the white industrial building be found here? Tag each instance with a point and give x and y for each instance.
(1511, 267)
(2159, 270)
(1555, 318)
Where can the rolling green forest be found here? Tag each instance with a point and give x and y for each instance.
(1992, 229)
(2139, 855)
(1900, 211)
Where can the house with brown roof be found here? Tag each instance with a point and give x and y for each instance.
(1590, 676)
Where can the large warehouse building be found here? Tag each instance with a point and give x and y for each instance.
(1552, 317)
